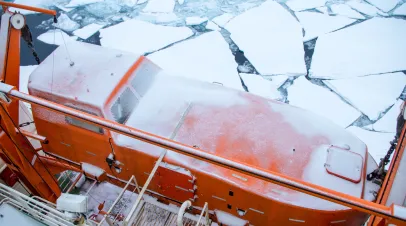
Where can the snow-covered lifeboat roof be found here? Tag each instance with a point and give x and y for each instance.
(266, 134)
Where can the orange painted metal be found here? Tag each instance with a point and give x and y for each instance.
(24, 157)
(31, 8)
(34, 136)
(140, 163)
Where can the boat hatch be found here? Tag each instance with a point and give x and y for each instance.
(344, 163)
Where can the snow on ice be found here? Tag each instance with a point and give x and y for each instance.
(66, 24)
(87, 31)
(340, 55)
(316, 24)
(206, 58)
(159, 6)
(345, 10)
(298, 5)
(271, 39)
(364, 8)
(400, 11)
(323, 9)
(321, 101)
(56, 37)
(377, 143)
(257, 85)
(212, 26)
(372, 94)
(386, 5)
(388, 122)
(195, 20)
(34, 3)
(139, 2)
(141, 37)
(223, 19)
(76, 3)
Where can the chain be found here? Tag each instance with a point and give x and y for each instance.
(378, 175)
(27, 36)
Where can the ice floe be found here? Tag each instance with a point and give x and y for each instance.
(212, 26)
(377, 143)
(364, 8)
(321, 101)
(76, 3)
(257, 85)
(384, 5)
(66, 24)
(388, 122)
(400, 11)
(316, 24)
(372, 94)
(56, 37)
(323, 9)
(223, 19)
(195, 20)
(340, 54)
(270, 38)
(141, 37)
(159, 18)
(298, 5)
(87, 31)
(139, 2)
(181, 2)
(345, 10)
(159, 6)
(206, 58)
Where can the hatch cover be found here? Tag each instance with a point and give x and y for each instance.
(344, 163)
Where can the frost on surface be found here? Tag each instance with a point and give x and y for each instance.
(364, 8)
(384, 5)
(389, 121)
(212, 26)
(270, 38)
(195, 20)
(92, 169)
(298, 5)
(87, 31)
(142, 37)
(56, 37)
(260, 86)
(321, 101)
(345, 10)
(76, 3)
(159, 6)
(372, 94)
(400, 11)
(229, 219)
(316, 24)
(206, 58)
(25, 72)
(223, 19)
(66, 24)
(377, 143)
(340, 55)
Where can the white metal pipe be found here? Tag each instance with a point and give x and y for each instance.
(183, 207)
(201, 214)
(16, 193)
(44, 200)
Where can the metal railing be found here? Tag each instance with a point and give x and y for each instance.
(106, 216)
(42, 211)
(205, 212)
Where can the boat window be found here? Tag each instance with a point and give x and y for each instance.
(144, 77)
(124, 105)
(82, 124)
